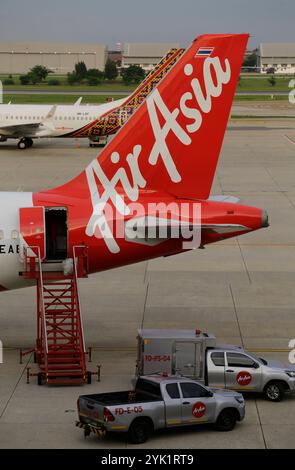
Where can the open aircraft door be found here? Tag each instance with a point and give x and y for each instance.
(32, 229)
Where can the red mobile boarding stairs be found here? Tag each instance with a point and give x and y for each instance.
(60, 347)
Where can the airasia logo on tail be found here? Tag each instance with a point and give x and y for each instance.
(244, 378)
(199, 409)
(195, 102)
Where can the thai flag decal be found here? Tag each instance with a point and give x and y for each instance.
(204, 51)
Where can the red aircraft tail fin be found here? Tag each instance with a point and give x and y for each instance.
(172, 142)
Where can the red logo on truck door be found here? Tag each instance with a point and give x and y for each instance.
(244, 378)
(199, 409)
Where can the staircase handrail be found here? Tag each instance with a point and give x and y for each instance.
(80, 320)
(41, 298)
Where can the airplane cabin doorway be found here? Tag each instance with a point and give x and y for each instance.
(56, 225)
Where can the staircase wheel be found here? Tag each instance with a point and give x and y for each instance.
(88, 377)
(40, 378)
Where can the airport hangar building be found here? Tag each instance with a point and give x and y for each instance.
(146, 55)
(17, 58)
(59, 58)
(277, 58)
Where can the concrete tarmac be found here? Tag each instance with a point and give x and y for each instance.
(241, 289)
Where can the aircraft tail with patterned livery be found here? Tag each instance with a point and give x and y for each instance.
(111, 121)
(176, 135)
(156, 170)
(96, 122)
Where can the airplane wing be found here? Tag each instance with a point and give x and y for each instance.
(30, 129)
(20, 130)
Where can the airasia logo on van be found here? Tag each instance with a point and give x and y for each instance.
(199, 409)
(244, 378)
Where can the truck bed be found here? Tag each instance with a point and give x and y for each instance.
(122, 398)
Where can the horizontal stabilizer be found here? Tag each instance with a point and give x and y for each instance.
(224, 198)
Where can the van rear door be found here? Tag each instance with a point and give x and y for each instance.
(188, 359)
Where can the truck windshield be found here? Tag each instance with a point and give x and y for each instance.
(259, 359)
(263, 361)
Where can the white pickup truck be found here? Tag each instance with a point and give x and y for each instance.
(159, 402)
(191, 353)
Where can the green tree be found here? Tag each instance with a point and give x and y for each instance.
(110, 70)
(133, 74)
(40, 72)
(72, 78)
(24, 79)
(33, 78)
(95, 74)
(80, 70)
(272, 80)
(53, 82)
(251, 60)
(92, 81)
(8, 81)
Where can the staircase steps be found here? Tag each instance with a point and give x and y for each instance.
(60, 344)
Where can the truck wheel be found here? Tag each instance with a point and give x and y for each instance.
(139, 432)
(226, 421)
(274, 391)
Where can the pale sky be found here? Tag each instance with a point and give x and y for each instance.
(108, 22)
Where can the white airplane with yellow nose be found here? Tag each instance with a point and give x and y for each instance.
(95, 122)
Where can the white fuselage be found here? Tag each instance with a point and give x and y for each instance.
(54, 121)
(11, 241)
